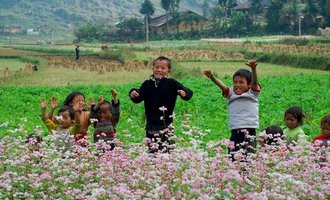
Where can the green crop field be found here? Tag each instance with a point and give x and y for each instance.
(198, 167)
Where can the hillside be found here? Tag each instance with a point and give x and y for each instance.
(61, 15)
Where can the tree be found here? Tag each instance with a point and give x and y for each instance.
(170, 6)
(326, 13)
(130, 29)
(166, 7)
(174, 5)
(147, 9)
(225, 5)
(239, 24)
(255, 9)
(273, 15)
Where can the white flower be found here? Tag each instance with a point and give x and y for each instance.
(162, 108)
(59, 118)
(93, 120)
(5, 124)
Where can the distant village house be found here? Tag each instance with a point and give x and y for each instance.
(31, 31)
(10, 29)
(182, 21)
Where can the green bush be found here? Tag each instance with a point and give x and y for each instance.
(120, 55)
(179, 72)
(52, 50)
(321, 62)
(294, 41)
(31, 59)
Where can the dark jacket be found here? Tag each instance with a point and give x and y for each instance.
(156, 94)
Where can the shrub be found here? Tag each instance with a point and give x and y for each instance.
(120, 55)
(294, 41)
(321, 62)
(180, 72)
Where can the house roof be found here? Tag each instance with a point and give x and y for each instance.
(247, 4)
(161, 20)
(243, 6)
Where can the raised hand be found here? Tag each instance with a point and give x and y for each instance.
(76, 106)
(114, 96)
(90, 103)
(252, 64)
(208, 73)
(53, 103)
(100, 100)
(43, 104)
(114, 93)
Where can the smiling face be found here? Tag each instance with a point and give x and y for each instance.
(66, 121)
(160, 69)
(240, 85)
(80, 100)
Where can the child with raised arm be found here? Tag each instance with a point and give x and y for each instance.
(78, 99)
(159, 94)
(243, 106)
(68, 124)
(324, 138)
(293, 118)
(106, 115)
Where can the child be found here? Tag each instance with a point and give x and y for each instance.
(293, 119)
(159, 94)
(271, 135)
(324, 138)
(69, 124)
(273, 139)
(243, 106)
(77, 98)
(34, 142)
(107, 116)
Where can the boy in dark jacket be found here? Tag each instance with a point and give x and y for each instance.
(159, 94)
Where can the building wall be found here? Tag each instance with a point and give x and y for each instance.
(182, 27)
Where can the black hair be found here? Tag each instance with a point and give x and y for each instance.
(244, 73)
(274, 132)
(297, 112)
(71, 96)
(325, 120)
(32, 137)
(163, 58)
(104, 102)
(71, 111)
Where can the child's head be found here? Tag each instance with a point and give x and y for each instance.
(73, 98)
(68, 114)
(104, 112)
(293, 117)
(34, 141)
(33, 138)
(274, 133)
(161, 67)
(242, 81)
(325, 125)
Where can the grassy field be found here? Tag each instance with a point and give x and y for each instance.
(12, 64)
